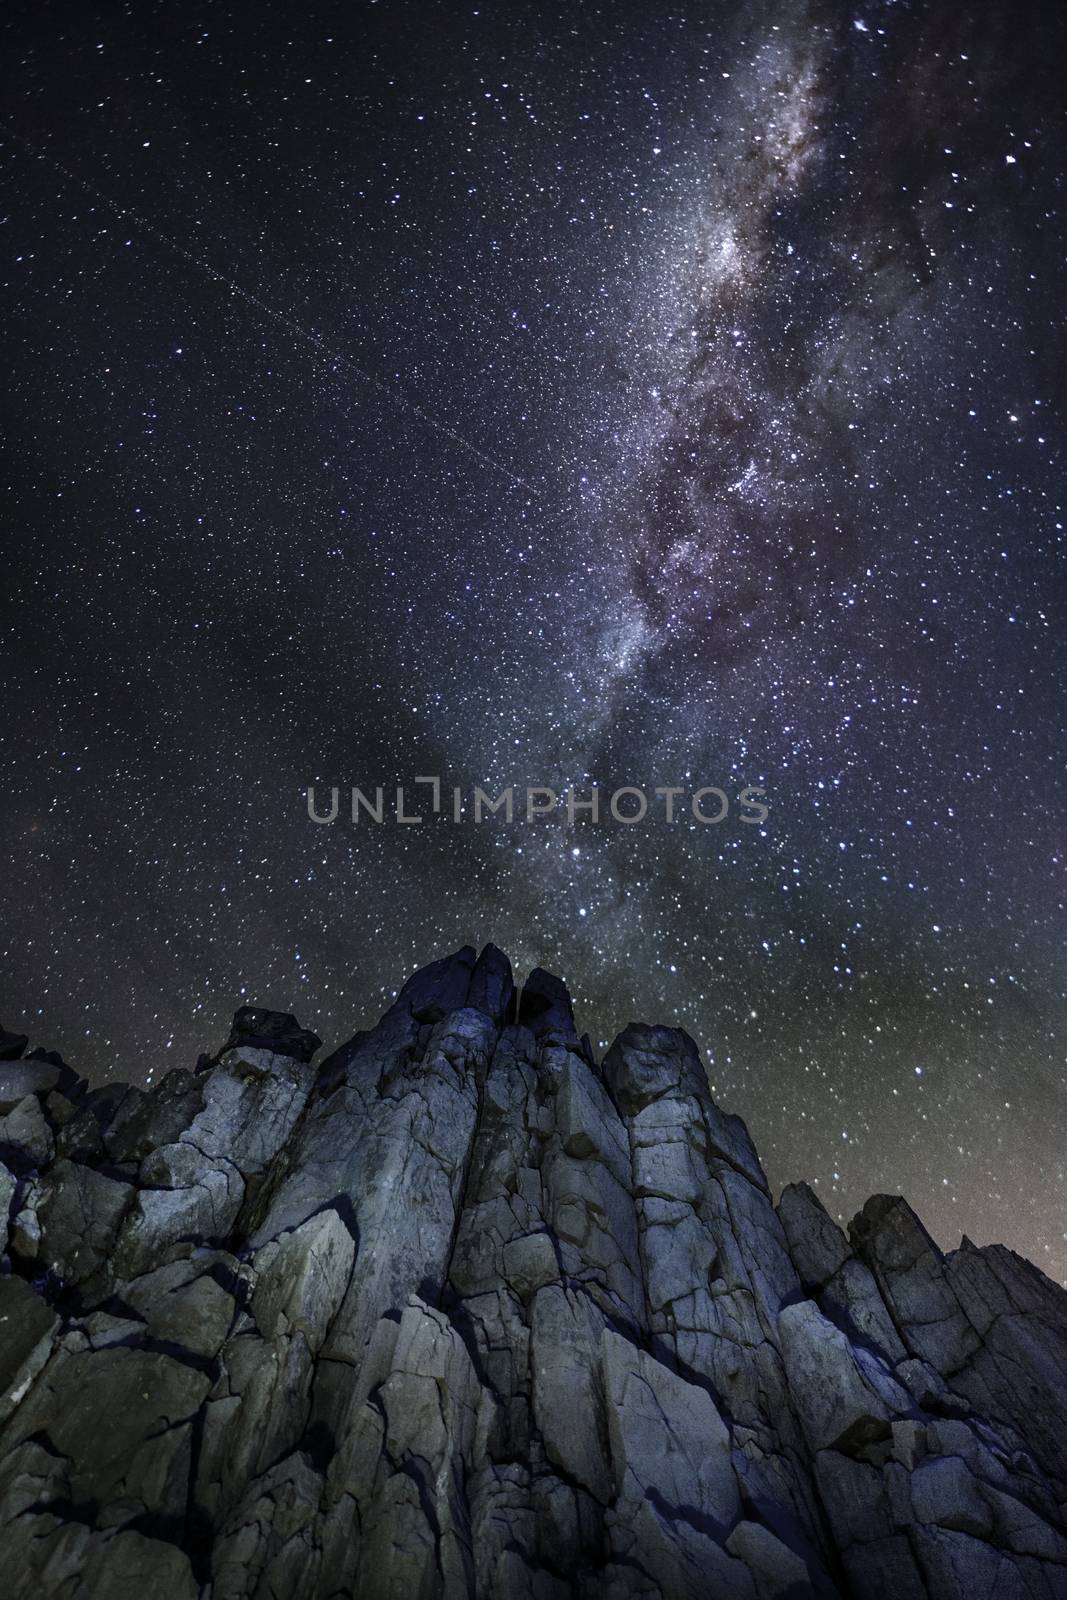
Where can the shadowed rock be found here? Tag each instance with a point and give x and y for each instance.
(12, 1045)
(545, 1006)
(271, 1030)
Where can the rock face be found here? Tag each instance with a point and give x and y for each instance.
(465, 1313)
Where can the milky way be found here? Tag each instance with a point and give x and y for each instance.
(558, 396)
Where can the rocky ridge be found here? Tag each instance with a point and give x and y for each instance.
(465, 1312)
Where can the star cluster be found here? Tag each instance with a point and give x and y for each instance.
(557, 395)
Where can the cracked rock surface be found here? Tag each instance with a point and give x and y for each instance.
(464, 1312)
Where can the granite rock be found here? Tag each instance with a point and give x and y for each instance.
(466, 1314)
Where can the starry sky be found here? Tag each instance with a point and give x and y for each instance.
(555, 394)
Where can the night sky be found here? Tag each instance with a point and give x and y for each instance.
(552, 394)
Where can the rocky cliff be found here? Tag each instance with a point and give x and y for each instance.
(466, 1312)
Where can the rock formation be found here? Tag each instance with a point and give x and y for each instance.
(466, 1312)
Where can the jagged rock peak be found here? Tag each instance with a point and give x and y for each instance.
(465, 1313)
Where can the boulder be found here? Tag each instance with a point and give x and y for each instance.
(79, 1214)
(21, 1078)
(12, 1045)
(28, 1327)
(545, 1007)
(276, 1031)
(25, 1136)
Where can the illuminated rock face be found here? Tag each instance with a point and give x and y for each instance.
(466, 1313)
